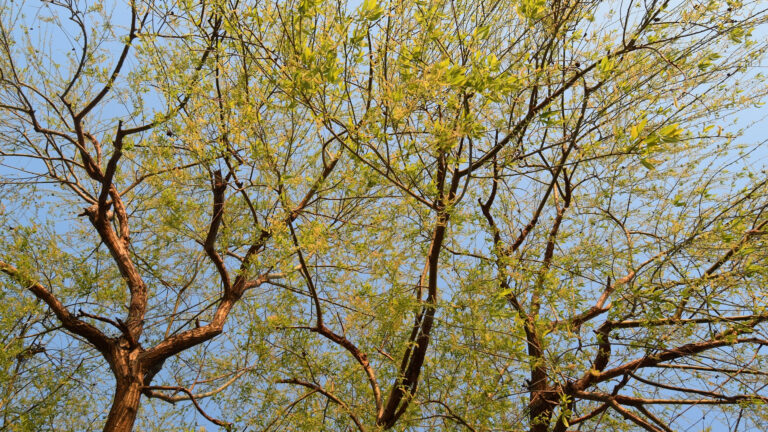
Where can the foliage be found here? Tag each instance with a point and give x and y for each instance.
(304, 215)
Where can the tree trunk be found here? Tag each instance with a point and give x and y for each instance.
(125, 405)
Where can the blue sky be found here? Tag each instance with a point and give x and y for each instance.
(61, 47)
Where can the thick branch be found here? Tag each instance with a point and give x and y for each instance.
(69, 321)
(209, 245)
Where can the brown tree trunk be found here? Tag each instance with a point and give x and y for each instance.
(125, 405)
(540, 411)
(129, 380)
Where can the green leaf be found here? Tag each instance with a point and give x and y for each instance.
(646, 163)
(370, 10)
(737, 34)
(671, 133)
(480, 33)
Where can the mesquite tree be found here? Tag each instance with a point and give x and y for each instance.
(303, 215)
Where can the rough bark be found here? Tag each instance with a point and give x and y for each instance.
(125, 406)
(130, 376)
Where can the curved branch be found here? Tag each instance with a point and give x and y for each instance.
(132, 34)
(209, 245)
(329, 395)
(174, 399)
(92, 334)
(215, 421)
(634, 418)
(452, 415)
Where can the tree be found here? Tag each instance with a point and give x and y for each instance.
(325, 216)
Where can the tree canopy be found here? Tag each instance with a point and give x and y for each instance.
(540, 215)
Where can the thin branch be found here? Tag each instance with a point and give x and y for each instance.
(329, 395)
(191, 396)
